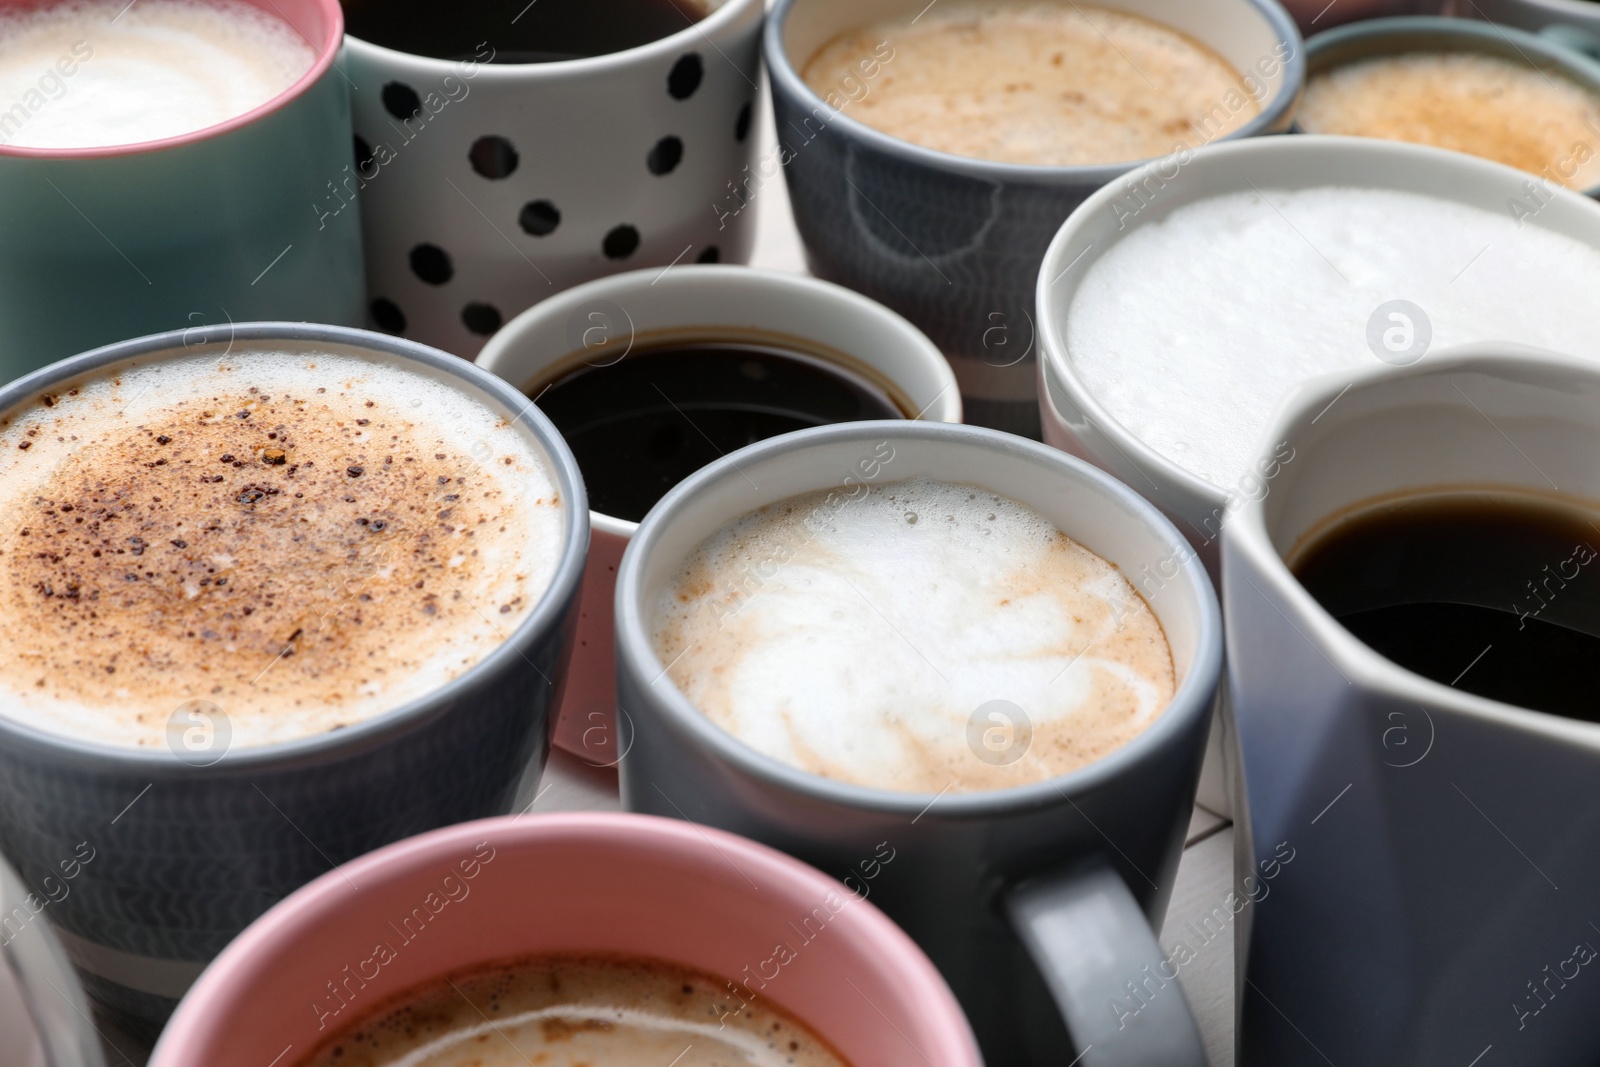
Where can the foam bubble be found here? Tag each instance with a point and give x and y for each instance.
(858, 641)
(87, 73)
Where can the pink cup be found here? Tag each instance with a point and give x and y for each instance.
(630, 884)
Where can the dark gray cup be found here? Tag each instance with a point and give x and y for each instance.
(1036, 901)
(183, 857)
(954, 244)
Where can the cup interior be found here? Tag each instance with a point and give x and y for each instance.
(627, 885)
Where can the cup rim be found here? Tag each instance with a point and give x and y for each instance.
(332, 12)
(501, 355)
(384, 726)
(783, 73)
(726, 14)
(1451, 35)
(1191, 699)
(1247, 534)
(329, 895)
(1057, 369)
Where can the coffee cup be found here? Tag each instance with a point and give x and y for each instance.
(111, 241)
(1555, 66)
(1411, 803)
(1573, 23)
(199, 820)
(1034, 901)
(604, 321)
(470, 215)
(44, 1016)
(601, 885)
(953, 243)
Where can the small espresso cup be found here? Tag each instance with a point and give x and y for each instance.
(605, 320)
(1037, 901)
(173, 855)
(487, 184)
(954, 243)
(1446, 846)
(206, 228)
(574, 884)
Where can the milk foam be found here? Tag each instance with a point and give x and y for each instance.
(1536, 120)
(87, 73)
(300, 537)
(878, 628)
(1191, 330)
(576, 1012)
(1044, 82)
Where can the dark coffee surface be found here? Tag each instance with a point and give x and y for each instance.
(516, 30)
(641, 425)
(1496, 593)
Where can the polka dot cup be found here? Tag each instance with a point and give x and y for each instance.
(485, 186)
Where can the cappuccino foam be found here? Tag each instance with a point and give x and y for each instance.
(1536, 120)
(1043, 82)
(298, 538)
(578, 1012)
(1190, 330)
(90, 73)
(860, 641)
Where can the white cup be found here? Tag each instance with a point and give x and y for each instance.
(604, 319)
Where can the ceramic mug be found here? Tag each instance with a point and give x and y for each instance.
(1036, 902)
(211, 227)
(605, 320)
(1446, 846)
(44, 1016)
(563, 884)
(487, 185)
(954, 244)
(185, 856)
(1573, 23)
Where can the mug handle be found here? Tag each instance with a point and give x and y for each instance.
(1576, 38)
(1094, 948)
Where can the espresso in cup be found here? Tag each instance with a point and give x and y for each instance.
(89, 73)
(575, 1011)
(1536, 120)
(1040, 82)
(284, 538)
(924, 637)
(520, 32)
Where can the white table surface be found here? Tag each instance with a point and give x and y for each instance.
(1204, 875)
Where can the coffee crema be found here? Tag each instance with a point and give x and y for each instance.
(92, 73)
(296, 538)
(1535, 120)
(577, 1011)
(1045, 83)
(862, 641)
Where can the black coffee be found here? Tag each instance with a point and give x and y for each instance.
(518, 31)
(1495, 593)
(643, 424)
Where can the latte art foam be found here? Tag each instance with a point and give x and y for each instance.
(865, 653)
(301, 539)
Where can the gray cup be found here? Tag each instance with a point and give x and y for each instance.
(1447, 846)
(1036, 902)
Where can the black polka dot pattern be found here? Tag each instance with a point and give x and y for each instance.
(741, 125)
(363, 153)
(493, 157)
(432, 264)
(685, 76)
(665, 156)
(481, 319)
(621, 242)
(539, 218)
(712, 254)
(388, 316)
(400, 100)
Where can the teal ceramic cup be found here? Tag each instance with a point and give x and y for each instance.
(101, 244)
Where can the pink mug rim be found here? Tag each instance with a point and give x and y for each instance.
(200, 1015)
(333, 15)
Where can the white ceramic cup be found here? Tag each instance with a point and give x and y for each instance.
(492, 185)
(603, 320)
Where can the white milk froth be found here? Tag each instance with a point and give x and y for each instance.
(89, 73)
(1190, 330)
(880, 627)
(299, 538)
